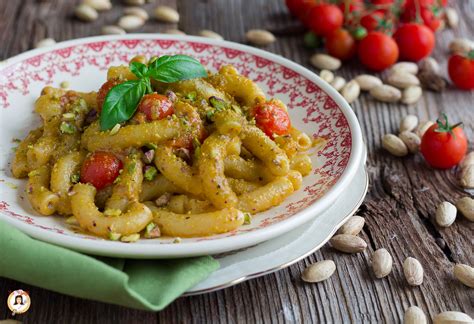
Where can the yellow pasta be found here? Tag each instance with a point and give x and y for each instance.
(190, 156)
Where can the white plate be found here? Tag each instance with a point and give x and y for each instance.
(314, 106)
(287, 249)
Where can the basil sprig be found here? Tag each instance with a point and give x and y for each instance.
(122, 100)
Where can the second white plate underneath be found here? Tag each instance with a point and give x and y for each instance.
(276, 254)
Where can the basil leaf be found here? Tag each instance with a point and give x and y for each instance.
(139, 69)
(176, 68)
(121, 102)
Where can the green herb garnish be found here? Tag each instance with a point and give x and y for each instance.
(122, 100)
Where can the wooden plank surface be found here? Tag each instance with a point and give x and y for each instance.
(399, 207)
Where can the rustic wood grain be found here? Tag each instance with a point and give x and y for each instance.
(398, 210)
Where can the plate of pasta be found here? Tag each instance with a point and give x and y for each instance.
(176, 145)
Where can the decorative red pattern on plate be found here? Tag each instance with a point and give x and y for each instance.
(321, 113)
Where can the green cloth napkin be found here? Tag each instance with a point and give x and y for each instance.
(142, 284)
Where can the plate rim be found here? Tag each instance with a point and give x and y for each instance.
(226, 243)
(292, 261)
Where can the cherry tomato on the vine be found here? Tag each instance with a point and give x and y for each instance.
(298, 7)
(372, 20)
(443, 146)
(100, 169)
(415, 41)
(427, 11)
(324, 19)
(461, 70)
(155, 106)
(271, 119)
(354, 5)
(378, 51)
(341, 44)
(104, 90)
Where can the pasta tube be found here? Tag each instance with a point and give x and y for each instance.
(265, 197)
(43, 200)
(20, 166)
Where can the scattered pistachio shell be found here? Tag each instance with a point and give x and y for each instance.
(452, 317)
(319, 271)
(465, 274)
(411, 95)
(402, 79)
(452, 17)
(99, 5)
(445, 214)
(210, 34)
(166, 14)
(466, 206)
(408, 67)
(45, 43)
(325, 62)
(382, 263)
(326, 75)
(351, 91)
(423, 127)
(386, 93)
(260, 37)
(338, 83)
(86, 13)
(367, 82)
(112, 30)
(353, 226)
(467, 177)
(468, 160)
(430, 65)
(413, 271)
(394, 145)
(414, 315)
(411, 140)
(461, 45)
(136, 11)
(130, 22)
(408, 123)
(348, 243)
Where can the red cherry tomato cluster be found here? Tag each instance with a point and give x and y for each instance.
(364, 28)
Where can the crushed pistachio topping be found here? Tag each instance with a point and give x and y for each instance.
(150, 173)
(131, 167)
(112, 212)
(130, 238)
(67, 128)
(247, 219)
(152, 231)
(75, 178)
(191, 96)
(177, 240)
(115, 129)
(72, 220)
(114, 236)
(151, 146)
(69, 116)
(33, 173)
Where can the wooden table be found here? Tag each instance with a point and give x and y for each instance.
(398, 210)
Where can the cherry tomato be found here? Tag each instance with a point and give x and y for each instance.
(100, 169)
(427, 9)
(155, 106)
(104, 90)
(378, 51)
(372, 21)
(324, 19)
(298, 7)
(415, 41)
(341, 44)
(443, 146)
(354, 5)
(271, 119)
(461, 70)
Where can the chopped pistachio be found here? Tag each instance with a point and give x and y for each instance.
(236, 109)
(75, 178)
(67, 128)
(152, 231)
(16, 140)
(151, 146)
(148, 156)
(65, 84)
(33, 173)
(177, 240)
(163, 199)
(114, 236)
(217, 103)
(150, 173)
(115, 129)
(113, 212)
(247, 219)
(131, 167)
(130, 238)
(69, 116)
(72, 220)
(191, 95)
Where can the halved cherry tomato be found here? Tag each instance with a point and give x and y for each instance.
(324, 19)
(415, 41)
(100, 169)
(155, 106)
(443, 146)
(104, 90)
(378, 51)
(461, 70)
(271, 119)
(341, 44)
